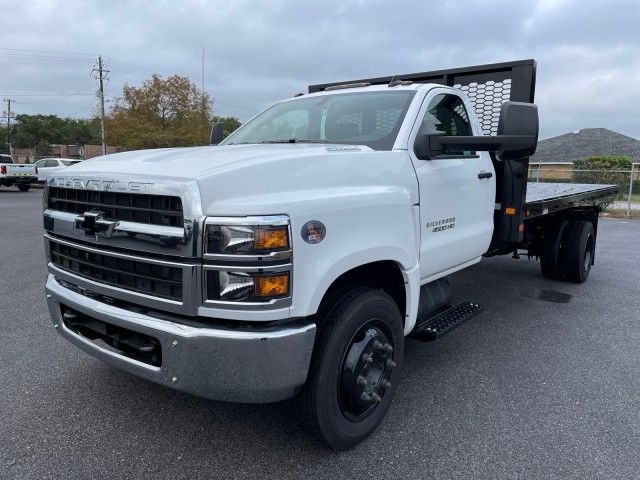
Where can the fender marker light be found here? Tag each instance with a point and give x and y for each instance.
(510, 211)
(313, 232)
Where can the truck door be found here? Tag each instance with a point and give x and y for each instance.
(457, 191)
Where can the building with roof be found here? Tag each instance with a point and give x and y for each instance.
(584, 143)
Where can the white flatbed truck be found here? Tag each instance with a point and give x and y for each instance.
(292, 258)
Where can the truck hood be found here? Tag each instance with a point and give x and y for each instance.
(198, 162)
(265, 179)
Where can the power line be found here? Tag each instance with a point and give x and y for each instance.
(47, 51)
(46, 94)
(38, 57)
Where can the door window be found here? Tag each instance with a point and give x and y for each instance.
(446, 113)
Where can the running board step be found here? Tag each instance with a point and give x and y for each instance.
(442, 323)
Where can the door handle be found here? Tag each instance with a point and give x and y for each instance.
(482, 175)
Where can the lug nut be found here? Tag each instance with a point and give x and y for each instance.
(366, 397)
(376, 398)
(361, 380)
(386, 384)
(377, 345)
(391, 363)
(174, 343)
(387, 347)
(367, 358)
(174, 379)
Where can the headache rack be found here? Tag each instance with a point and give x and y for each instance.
(487, 87)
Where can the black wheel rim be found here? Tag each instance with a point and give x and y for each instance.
(365, 370)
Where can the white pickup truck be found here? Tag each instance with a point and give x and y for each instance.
(11, 173)
(292, 259)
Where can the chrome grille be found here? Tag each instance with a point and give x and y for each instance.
(158, 280)
(120, 206)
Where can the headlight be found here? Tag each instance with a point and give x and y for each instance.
(244, 237)
(247, 261)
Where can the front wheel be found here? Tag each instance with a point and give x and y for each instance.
(24, 187)
(355, 367)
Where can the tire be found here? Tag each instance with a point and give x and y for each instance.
(24, 187)
(332, 403)
(580, 251)
(553, 245)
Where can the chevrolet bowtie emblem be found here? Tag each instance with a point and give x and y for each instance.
(93, 223)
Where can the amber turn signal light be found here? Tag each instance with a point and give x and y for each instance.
(272, 286)
(510, 211)
(273, 238)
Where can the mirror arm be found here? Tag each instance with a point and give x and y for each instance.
(482, 143)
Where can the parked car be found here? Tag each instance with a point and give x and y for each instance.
(47, 166)
(12, 173)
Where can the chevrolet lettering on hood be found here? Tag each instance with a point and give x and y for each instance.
(102, 185)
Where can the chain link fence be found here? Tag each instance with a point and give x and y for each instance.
(627, 201)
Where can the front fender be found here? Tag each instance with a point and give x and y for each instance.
(355, 237)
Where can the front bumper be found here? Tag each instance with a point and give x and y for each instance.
(249, 366)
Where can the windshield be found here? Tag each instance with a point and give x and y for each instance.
(6, 159)
(363, 118)
(68, 163)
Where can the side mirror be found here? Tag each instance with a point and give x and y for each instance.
(517, 136)
(518, 120)
(217, 134)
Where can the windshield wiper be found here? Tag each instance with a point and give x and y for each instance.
(296, 140)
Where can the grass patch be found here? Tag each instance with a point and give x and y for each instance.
(621, 213)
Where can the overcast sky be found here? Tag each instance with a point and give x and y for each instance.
(588, 51)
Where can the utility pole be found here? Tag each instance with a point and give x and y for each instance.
(204, 116)
(8, 116)
(101, 76)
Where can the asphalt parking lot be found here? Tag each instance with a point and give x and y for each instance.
(530, 388)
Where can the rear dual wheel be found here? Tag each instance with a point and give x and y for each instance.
(553, 246)
(580, 251)
(24, 187)
(568, 250)
(355, 367)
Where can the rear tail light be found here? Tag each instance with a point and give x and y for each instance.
(3, 170)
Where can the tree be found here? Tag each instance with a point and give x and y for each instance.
(30, 130)
(603, 162)
(42, 148)
(160, 113)
(604, 169)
